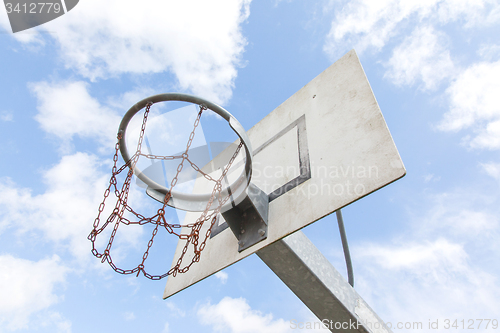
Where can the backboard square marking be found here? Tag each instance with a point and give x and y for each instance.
(302, 168)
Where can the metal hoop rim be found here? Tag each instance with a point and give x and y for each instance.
(184, 201)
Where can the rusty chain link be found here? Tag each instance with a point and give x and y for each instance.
(117, 218)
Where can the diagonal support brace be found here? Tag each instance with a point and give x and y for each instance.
(304, 269)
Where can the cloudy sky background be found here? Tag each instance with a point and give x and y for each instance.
(424, 248)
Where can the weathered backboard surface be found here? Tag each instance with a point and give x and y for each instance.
(322, 149)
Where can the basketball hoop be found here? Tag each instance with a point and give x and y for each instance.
(247, 202)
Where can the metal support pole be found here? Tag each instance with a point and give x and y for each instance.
(347, 255)
(304, 269)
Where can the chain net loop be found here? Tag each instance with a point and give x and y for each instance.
(117, 217)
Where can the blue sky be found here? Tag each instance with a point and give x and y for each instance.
(424, 248)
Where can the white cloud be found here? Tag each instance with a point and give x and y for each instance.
(421, 56)
(66, 210)
(222, 276)
(199, 41)
(422, 281)
(489, 52)
(27, 287)
(6, 116)
(475, 103)
(126, 100)
(236, 316)
(66, 109)
(175, 310)
(431, 177)
(367, 24)
(128, 316)
(463, 215)
(423, 258)
(492, 169)
(52, 319)
(488, 137)
(425, 56)
(445, 267)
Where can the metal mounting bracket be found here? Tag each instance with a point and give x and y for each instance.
(248, 218)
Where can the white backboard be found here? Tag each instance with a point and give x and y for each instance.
(322, 149)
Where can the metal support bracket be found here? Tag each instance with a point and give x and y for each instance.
(248, 218)
(306, 271)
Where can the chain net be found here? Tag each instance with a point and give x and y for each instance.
(118, 217)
